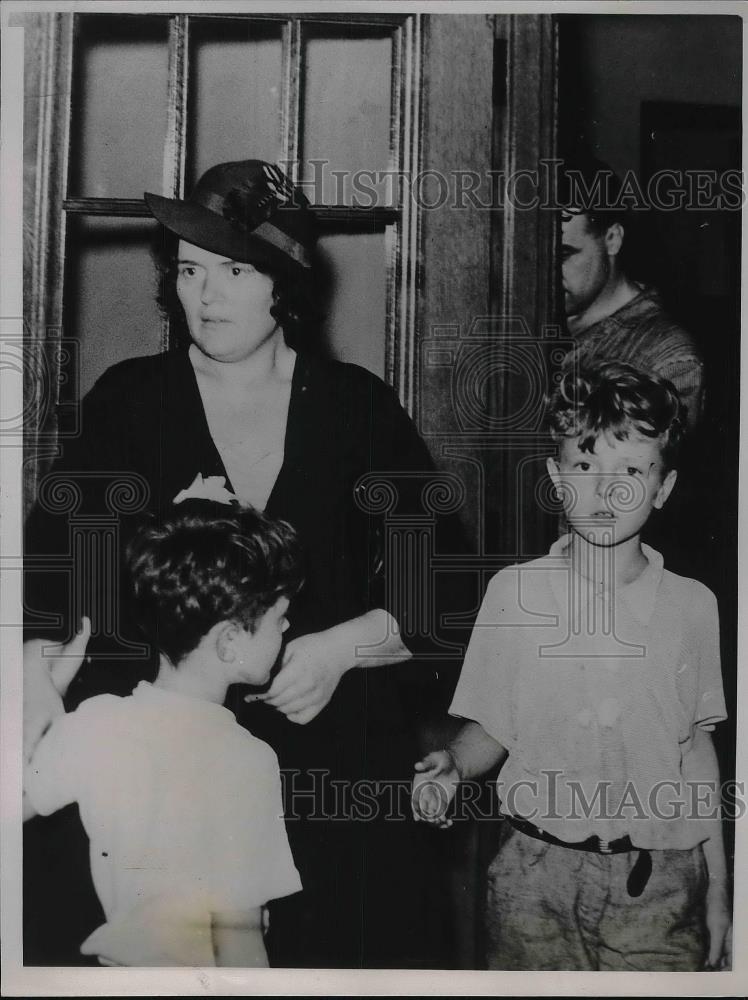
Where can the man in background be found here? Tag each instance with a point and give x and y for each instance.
(609, 315)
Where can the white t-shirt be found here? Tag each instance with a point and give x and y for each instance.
(595, 694)
(182, 808)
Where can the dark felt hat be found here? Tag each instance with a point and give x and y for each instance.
(247, 210)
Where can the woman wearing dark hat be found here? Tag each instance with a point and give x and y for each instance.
(293, 435)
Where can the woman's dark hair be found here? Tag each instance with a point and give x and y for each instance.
(616, 398)
(297, 304)
(208, 562)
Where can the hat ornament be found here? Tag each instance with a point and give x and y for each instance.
(278, 183)
(247, 207)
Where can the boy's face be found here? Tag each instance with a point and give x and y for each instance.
(258, 650)
(608, 493)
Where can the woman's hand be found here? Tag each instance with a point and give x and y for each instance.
(314, 663)
(311, 670)
(434, 787)
(45, 683)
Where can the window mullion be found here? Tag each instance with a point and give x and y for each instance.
(403, 245)
(393, 233)
(43, 302)
(175, 145)
(122, 207)
(52, 171)
(292, 98)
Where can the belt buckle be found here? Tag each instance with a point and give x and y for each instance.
(604, 846)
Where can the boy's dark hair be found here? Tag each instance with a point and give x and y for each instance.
(209, 562)
(613, 397)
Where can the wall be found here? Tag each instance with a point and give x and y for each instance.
(610, 65)
(615, 62)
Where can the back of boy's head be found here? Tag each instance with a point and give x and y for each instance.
(618, 399)
(207, 563)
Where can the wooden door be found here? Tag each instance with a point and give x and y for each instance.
(440, 282)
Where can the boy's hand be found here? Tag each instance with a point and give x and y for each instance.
(719, 926)
(434, 787)
(45, 683)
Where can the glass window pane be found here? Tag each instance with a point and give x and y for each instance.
(119, 106)
(346, 114)
(110, 297)
(355, 266)
(236, 75)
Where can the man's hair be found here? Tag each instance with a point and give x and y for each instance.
(207, 563)
(618, 399)
(296, 307)
(590, 187)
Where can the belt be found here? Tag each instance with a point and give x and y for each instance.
(639, 874)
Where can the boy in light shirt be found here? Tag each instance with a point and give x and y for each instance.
(593, 678)
(183, 806)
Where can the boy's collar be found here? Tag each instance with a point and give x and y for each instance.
(639, 594)
(181, 701)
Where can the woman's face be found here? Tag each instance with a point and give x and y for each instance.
(226, 303)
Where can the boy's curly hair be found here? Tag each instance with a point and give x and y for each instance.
(616, 398)
(207, 563)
